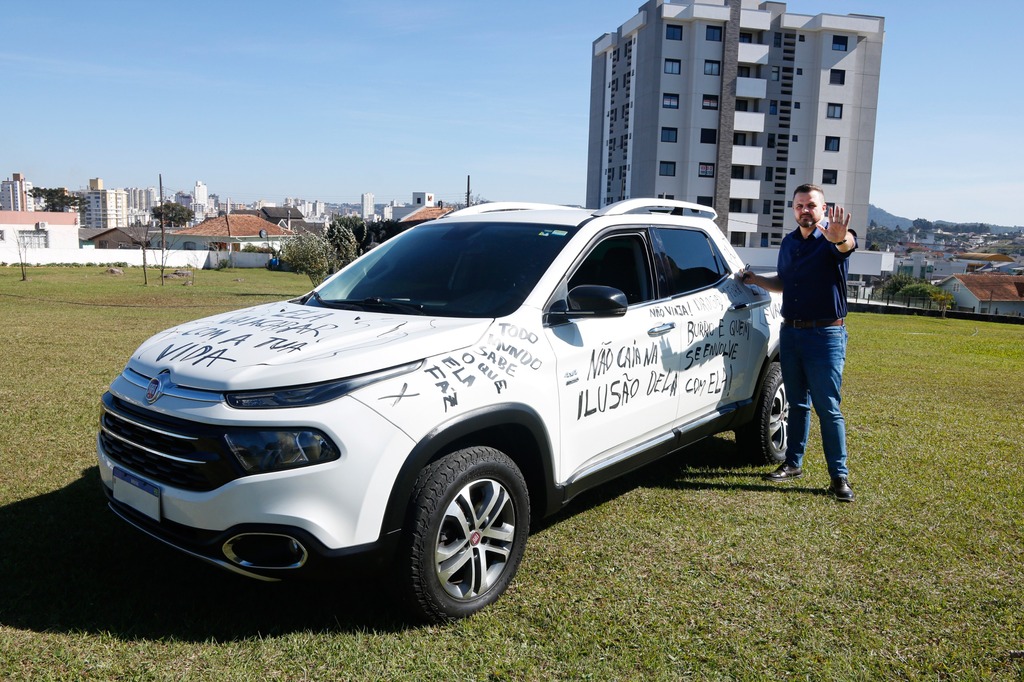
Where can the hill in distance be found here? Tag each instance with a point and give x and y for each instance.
(885, 219)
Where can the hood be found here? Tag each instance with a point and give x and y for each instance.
(286, 344)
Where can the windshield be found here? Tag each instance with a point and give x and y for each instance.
(458, 269)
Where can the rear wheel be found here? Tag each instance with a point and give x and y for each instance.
(764, 437)
(470, 521)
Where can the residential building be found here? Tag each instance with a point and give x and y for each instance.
(104, 208)
(733, 104)
(35, 230)
(200, 201)
(229, 232)
(16, 194)
(368, 212)
(419, 200)
(996, 294)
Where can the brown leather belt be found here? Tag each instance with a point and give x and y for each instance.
(810, 324)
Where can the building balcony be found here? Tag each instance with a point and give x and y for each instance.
(747, 156)
(742, 222)
(755, 88)
(744, 189)
(749, 121)
(752, 53)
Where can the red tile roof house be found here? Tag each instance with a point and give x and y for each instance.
(987, 293)
(228, 233)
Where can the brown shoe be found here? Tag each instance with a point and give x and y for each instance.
(785, 472)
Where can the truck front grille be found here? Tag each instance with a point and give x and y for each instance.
(171, 452)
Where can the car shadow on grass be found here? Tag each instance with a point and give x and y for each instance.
(713, 463)
(70, 565)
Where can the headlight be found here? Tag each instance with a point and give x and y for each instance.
(312, 394)
(262, 451)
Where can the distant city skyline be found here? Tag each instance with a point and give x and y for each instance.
(401, 97)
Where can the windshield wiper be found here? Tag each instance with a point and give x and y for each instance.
(368, 303)
(400, 306)
(331, 303)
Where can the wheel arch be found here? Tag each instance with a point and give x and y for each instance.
(515, 429)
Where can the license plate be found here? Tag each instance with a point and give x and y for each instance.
(139, 494)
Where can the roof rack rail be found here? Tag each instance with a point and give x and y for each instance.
(499, 206)
(670, 206)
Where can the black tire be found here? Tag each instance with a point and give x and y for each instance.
(763, 439)
(469, 521)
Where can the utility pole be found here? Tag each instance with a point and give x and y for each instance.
(163, 237)
(467, 191)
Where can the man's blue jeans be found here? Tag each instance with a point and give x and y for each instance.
(812, 362)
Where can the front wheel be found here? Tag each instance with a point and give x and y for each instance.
(470, 518)
(764, 437)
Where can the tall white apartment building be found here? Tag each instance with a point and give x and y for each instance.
(15, 194)
(104, 208)
(142, 199)
(368, 207)
(200, 200)
(733, 104)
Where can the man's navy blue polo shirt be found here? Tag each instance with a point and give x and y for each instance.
(813, 273)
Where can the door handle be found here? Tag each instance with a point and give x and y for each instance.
(661, 330)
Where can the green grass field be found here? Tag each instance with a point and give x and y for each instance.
(692, 568)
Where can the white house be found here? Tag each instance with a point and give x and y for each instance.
(996, 294)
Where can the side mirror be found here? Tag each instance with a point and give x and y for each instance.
(589, 300)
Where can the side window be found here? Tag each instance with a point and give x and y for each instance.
(691, 261)
(620, 262)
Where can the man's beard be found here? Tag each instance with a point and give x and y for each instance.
(807, 221)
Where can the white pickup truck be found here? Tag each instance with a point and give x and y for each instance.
(421, 407)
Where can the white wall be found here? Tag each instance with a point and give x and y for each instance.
(176, 258)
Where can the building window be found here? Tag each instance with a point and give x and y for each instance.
(669, 134)
(34, 239)
(773, 107)
(706, 170)
(840, 43)
(771, 140)
(777, 40)
(766, 207)
(673, 32)
(837, 77)
(714, 33)
(831, 144)
(775, 73)
(673, 66)
(708, 136)
(667, 168)
(712, 67)
(670, 101)
(769, 176)
(739, 139)
(829, 176)
(834, 110)
(710, 102)
(746, 37)
(706, 201)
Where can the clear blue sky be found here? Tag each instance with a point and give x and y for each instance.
(326, 100)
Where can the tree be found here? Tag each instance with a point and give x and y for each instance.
(943, 298)
(895, 284)
(341, 234)
(311, 255)
(57, 200)
(139, 234)
(173, 215)
(21, 241)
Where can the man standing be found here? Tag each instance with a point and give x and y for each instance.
(812, 269)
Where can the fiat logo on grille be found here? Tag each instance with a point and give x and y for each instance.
(156, 387)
